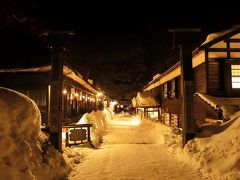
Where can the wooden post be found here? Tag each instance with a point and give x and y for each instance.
(56, 113)
(57, 42)
(188, 124)
(67, 139)
(96, 103)
(88, 134)
(185, 51)
(158, 113)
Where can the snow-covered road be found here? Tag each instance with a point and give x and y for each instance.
(129, 151)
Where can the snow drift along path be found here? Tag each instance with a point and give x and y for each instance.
(130, 152)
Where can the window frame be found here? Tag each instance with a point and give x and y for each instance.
(236, 75)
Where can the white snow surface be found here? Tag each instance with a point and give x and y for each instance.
(147, 149)
(131, 151)
(21, 141)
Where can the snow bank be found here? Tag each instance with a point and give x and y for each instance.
(109, 114)
(214, 152)
(74, 155)
(22, 142)
(100, 121)
(218, 155)
(164, 134)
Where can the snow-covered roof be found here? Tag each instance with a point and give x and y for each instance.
(159, 79)
(144, 99)
(66, 71)
(216, 37)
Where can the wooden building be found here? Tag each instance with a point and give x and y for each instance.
(167, 87)
(216, 70)
(78, 95)
(146, 105)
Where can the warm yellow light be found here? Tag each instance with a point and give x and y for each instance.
(64, 91)
(76, 94)
(235, 76)
(99, 94)
(135, 121)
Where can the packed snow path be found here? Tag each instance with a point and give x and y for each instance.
(129, 151)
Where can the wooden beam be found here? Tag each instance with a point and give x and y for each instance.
(224, 50)
(232, 40)
(228, 46)
(206, 70)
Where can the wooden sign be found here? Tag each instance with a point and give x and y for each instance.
(78, 134)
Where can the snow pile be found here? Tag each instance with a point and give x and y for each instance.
(164, 134)
(214, 151)
(21, 141)
(109, 114)
(218, 155)
(75, 155)
(99, 121)
(144, 99)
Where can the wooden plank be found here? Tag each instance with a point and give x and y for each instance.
(77, 125)
(223, 49)
(232, 40)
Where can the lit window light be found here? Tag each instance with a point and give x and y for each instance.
(64, 91)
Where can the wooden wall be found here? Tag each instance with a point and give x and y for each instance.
(215, 78)
(171, 102)
(24, 80)
(200, 79)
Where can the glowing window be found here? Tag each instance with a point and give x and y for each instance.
(235, 71)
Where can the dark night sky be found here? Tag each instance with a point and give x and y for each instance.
(120, 45)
